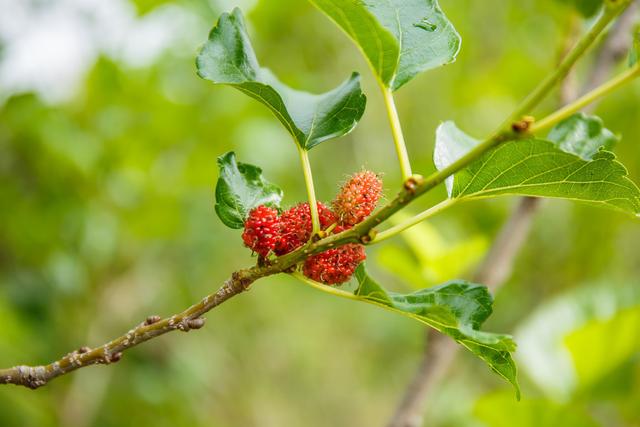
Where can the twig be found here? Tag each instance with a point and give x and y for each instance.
(111, 352)
(496, 268)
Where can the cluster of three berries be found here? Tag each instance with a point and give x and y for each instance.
(266, 232)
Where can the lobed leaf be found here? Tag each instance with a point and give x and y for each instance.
(574, 167)
(240, 188)
(457, 309)
(228, 58)
(399, 38)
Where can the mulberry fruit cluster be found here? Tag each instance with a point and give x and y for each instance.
(266, 232)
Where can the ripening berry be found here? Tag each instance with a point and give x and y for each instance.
(261, 230)
(334, 266)
(296, 226)
(357, 198)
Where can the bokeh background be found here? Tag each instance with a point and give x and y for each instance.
(108, 143)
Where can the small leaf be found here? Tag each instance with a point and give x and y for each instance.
(457, 309)
(582, 135)
(228, 58)
(539, 168)
(399, 38)
(240, 188)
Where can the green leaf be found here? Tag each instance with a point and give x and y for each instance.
(399, 38)
(457, 309)
(228, 58)
(540, 168)
(582, 135)
(240, 188)
(451, 144)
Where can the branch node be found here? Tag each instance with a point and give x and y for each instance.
(112, 358)
(523, 125)
(152, 319)
(412, 183)
(368, 238)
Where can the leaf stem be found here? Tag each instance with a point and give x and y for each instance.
(577, 105)
(611, 11)
(396, 132)
(384, 235)
(311, 192)
(324, 288)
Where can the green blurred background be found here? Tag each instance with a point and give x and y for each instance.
(108, 142)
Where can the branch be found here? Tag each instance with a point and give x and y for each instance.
(111, 352)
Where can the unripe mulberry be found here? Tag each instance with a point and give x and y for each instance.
(357, 198)
(296, 226)
(334, 266)
(261, 230)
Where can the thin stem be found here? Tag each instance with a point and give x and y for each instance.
(611, 10)
(396, 132)
(384, 235)
(324, 288)
(311, 192)
(577, 105)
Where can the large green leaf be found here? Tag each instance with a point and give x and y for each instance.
(399, 38)
(240, 188)
(457, 309)
(228, 58)
(536, 167)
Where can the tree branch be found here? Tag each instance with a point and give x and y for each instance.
(111, 352)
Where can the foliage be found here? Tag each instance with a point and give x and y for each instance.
(228, 58)
(574, 165)
(240, 189)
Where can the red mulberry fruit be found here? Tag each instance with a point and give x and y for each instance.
(334, 266)
(261, 230)
(296, 226)
(357, 198)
